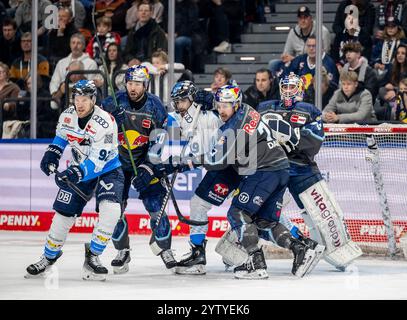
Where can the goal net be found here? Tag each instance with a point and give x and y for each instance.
(365, 168)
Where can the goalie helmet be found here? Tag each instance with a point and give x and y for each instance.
(229, 93)
(291, 89)
(138, 73)
(84, 88)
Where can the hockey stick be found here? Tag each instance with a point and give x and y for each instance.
(110, 85)
(174, 175)
(71, 185)
(180, 216)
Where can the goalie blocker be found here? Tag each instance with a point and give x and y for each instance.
(324, 218)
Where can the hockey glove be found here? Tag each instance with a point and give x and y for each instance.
(118, 114)
(286, 136)
(204, 98)
(144, 176)
(73, 174)
(172, 164)
(51, 159)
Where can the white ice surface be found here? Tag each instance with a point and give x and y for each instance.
(148, 278)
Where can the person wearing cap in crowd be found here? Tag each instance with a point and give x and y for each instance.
(387, 9)
(384, 49)
(295, 43)
(355, 62)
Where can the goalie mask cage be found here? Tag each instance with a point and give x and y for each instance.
(365, 168)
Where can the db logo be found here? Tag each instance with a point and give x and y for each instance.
(221, 189)
(244, 197)
(64, 196)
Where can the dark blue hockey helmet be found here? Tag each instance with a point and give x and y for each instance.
(84, 88)
(184, 89)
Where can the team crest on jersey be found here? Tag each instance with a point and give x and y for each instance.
(221, 189)
(296, 118)
(258, 200)
(67, 120)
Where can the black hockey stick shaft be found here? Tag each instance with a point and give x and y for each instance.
(180, 216)
(73, 186)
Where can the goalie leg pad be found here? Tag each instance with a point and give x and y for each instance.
(231, 251)
(326, 216)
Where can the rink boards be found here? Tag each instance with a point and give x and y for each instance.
(27, 195)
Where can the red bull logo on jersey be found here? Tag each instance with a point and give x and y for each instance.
(221, 189)
(135, 139)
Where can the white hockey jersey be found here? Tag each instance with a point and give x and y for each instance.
(94, 148)
(205, 134)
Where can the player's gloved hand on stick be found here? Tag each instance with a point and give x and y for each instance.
(118, 115)
(145, 175)
(172, 164)
(73, 174)
(51, 159)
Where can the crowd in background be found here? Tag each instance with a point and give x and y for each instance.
(363, 78)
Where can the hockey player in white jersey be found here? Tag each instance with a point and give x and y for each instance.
(95, 167)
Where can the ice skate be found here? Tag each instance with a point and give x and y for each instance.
(194, 262)
(254, 268)
(318, 248)
(120, 263)
(168, 259)
(304, 258)
(92, 267)
(41, 267)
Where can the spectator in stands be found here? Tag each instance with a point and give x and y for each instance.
(350, 104)
(352, 32)
(387, 9)
(8, 89)
(328, 88)
(77, 45)
(47, 117)
(265, 88)
(295, 43)
(23, 15)
(116, 10)
(114, 63)
(385, 49)
(10, 43)
(391, 104)
(58, 39)
(78, 8)
(159, 64)
(186, 24)
(146, 37)
(355, 62)
(364, 12)
(21, 66)
(304, 65)
(157, 15)
(59, 94)
(221, 77)
(218, 25)
(105, 35)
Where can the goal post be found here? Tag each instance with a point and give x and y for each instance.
(365, 167)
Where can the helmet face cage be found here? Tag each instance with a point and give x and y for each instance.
(183, 90)
(84, 88)
(138, 73)
(291, 87)
(230, 94)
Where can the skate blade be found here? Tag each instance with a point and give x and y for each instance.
(255, 275)
(34, 276)
(91, 276)
(319, 251)
(310, 255)
(193, 270)
(121, 270)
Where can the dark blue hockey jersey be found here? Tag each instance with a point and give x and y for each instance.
(139, 122)
(306, 117)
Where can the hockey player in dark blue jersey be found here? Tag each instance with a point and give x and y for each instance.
(306, 183)
(249, 146)
(140, 112)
